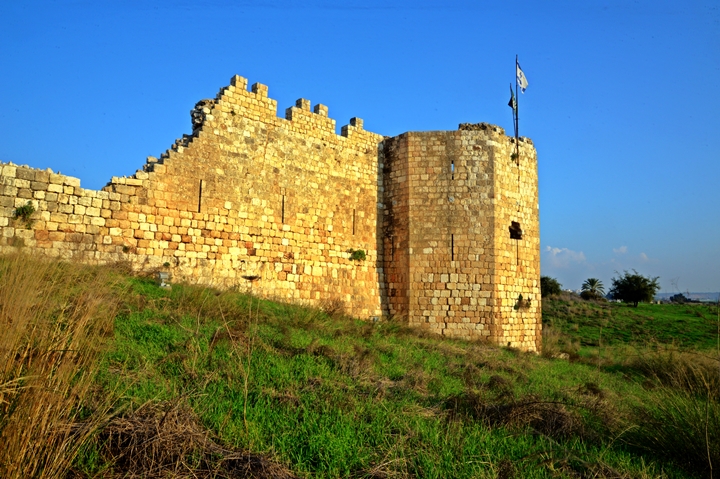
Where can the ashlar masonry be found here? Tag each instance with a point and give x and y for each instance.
(281, 207)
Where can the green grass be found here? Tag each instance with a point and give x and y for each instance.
(691, 325)
(327, 396)
(335, 397)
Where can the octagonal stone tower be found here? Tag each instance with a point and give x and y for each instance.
(461, 234)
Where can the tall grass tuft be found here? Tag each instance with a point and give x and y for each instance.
(556, 344)
(681, 420)
(690, 371)
(679, 426)
(54, 318)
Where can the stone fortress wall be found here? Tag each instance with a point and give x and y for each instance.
(277, 206)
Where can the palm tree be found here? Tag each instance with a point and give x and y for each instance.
(593, 287)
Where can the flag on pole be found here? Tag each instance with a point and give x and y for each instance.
(512, 103)
(521, 80)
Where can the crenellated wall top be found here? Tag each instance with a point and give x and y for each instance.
(236, 100)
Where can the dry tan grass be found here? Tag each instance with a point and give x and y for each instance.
(53, 319)
(690, 371)
(558, 345)
(167, 440)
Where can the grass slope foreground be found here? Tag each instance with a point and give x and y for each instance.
(106, 375)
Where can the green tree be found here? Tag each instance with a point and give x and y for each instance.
(549, 286)
(679, 298)
(592, 288)
(634, 288)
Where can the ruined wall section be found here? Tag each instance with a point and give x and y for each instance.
(248, 200)
(458, 267)
(69, 222)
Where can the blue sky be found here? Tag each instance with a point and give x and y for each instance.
(622, 103)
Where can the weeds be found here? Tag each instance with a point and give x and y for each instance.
(335, 308)
(691, 372)
(682, 426)
(556, 344)
(54, 319)
(337, 397)
(681, 419)
(24, 213)
(357, 254)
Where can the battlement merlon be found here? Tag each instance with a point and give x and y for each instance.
(321, 110)
(355, 126)
(239, 82)
(318, 117)
(237, 94)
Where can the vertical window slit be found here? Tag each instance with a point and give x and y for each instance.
(392, 248)
(200, 195)
(452, 247)
(282, 210)
(452, 169)
(353, 222)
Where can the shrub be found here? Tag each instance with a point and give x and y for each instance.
(522, 303)
(549, 286)
(357, 254)
(678, 298)
(24, 213)
(591, 296)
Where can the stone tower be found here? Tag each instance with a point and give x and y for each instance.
(461, 234)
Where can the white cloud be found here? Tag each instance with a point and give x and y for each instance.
(563, 257)
(620, 250)
(644, 257)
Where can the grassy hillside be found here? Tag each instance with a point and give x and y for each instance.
(219, 384)
(593, 323)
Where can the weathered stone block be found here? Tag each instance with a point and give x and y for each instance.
(8, 171)
(23, 173)
(72, 182)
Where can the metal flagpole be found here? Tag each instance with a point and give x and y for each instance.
(517, 152)
(517, 114)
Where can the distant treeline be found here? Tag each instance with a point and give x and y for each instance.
(689, 297)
